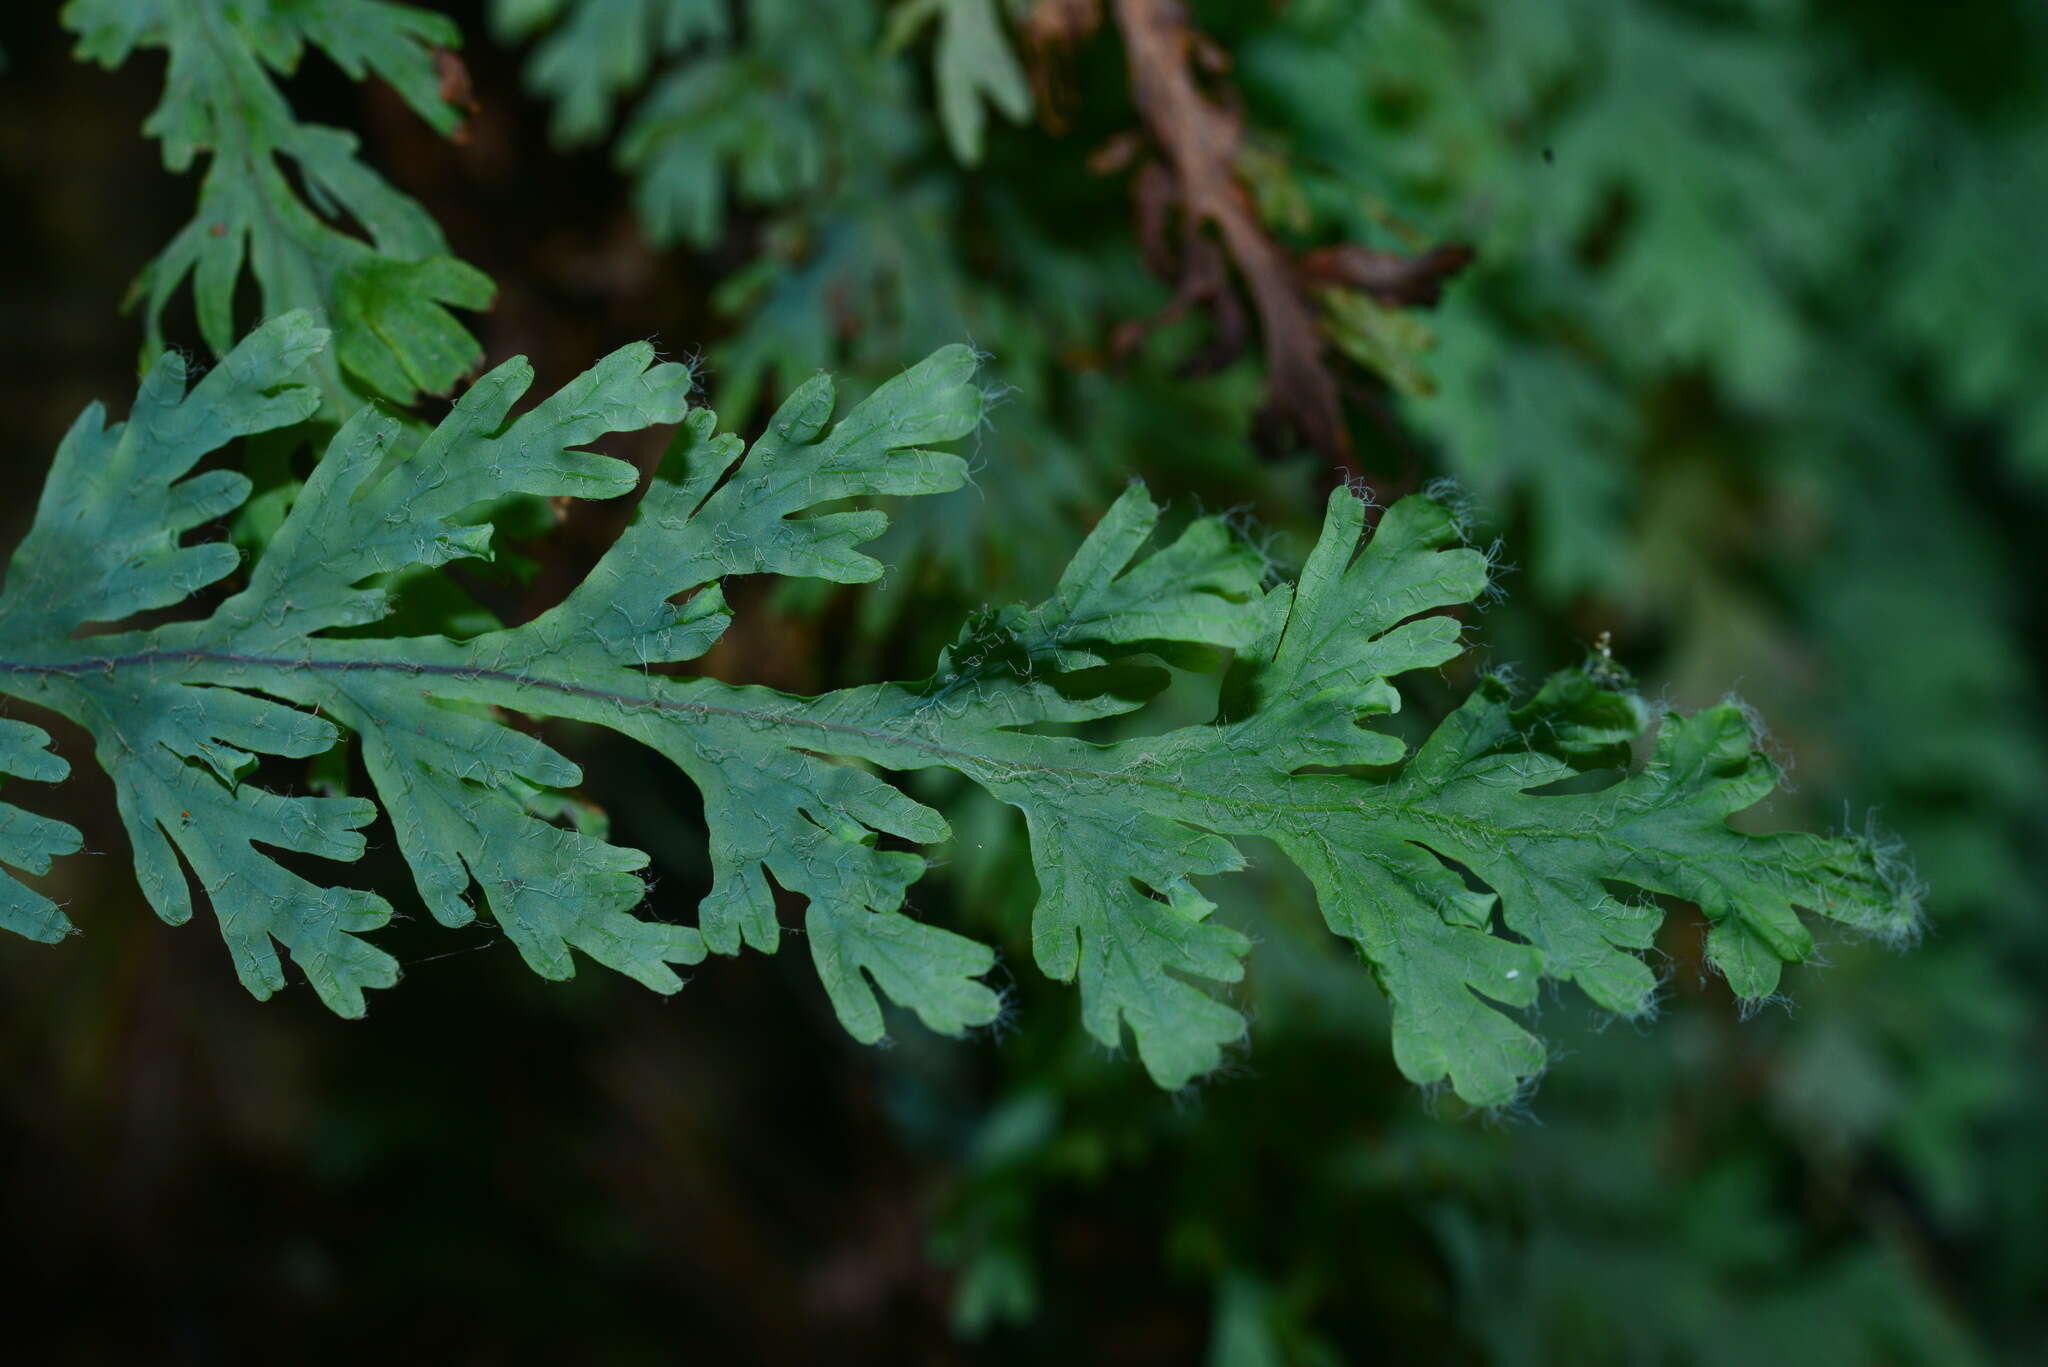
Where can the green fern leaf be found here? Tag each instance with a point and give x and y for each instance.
(1400, 853)
(27, 841)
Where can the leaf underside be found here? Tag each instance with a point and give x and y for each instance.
(1465, 874)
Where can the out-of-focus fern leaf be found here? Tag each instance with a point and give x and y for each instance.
(1926, 1077)
(387, 294)
(1387, 341)
(1737, 189)
(1716, 1269)
(767, 117)
(1650, 192)
(1120, 831)
(1522, 413)
(1525, 1219)
(1971, 297)
(972, 64)
(863, 265)
(1242, 1333)
(602, 50)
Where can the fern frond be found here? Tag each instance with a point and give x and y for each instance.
(1411, 860)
